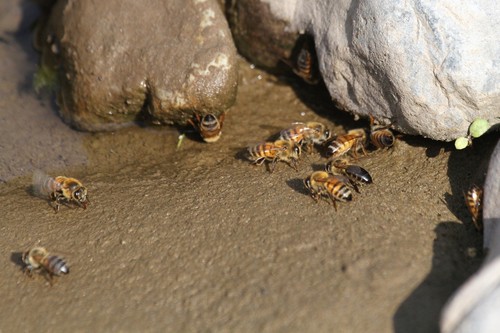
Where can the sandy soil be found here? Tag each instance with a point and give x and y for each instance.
(198, 240)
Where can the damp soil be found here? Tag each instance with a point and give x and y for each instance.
(193, 238)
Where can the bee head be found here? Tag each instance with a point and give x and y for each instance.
(326, 134)
(80, 196)
(296, 151)
(307, 183)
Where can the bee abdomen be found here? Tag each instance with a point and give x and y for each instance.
(340, 190)
(210, 126)
(57, 266)
(383, 139)
(359, 174)
(473, 199)
(259, 152)
(44, 185)
(335, 149)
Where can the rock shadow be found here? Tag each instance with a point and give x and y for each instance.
(457, 255)
(468, 167)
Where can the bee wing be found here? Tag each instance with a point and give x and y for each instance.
(43, 184)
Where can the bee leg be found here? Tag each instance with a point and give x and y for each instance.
(333, 201)
(221, 119)
(193, 123)
(48, 276)
(372, 121)
(354, 185)
(315, 196)
(273, 165)
(28, 271)
(364, 150)
(259, 161)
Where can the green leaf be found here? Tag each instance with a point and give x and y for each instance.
(478, 127)
(461, 143)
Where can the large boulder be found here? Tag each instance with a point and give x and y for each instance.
(429, 68)
(119, 60)
(260, 36)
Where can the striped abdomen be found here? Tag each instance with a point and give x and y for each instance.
(338, 189)
(382, 138)
(55, 265)
(263, 151)
(210, 127)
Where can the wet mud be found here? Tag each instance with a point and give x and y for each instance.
(196, 238)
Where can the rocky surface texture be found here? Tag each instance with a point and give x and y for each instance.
(260, 36)
(192, 238)
(122, 60)
(474, 307)
(428, 68)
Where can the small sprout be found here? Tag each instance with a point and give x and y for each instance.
(478, 127)
(461, 143)
(45, 77)
(180, 139)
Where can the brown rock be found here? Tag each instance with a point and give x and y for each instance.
(120, 60)
(261, 37)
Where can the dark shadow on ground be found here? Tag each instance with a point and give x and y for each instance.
(465, 168)
(17, 258)
(457, 255)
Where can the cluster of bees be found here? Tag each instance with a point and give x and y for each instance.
(340, 176)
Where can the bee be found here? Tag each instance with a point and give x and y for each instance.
(38, 259)
(381, 136)
(279, 150)
(306, 134)
(60, 190)
(321, 184)
(305, 65)
(303, 60)
(354, 140)
(473, 200)
(355, 173)
(209, 126)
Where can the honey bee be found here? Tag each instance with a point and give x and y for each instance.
(306, 134)
(473, 200)
(321, 184)
(60, 190)
(279, 150)
(38, 259)
(355, 173)
(303, 60)
(354, 140)
(305, 65)
(209, 126)
(380, 135)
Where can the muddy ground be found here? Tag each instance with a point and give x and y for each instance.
(197, 240)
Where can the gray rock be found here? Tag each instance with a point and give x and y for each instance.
(119, 60)
(474, 307)
(429, 68)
